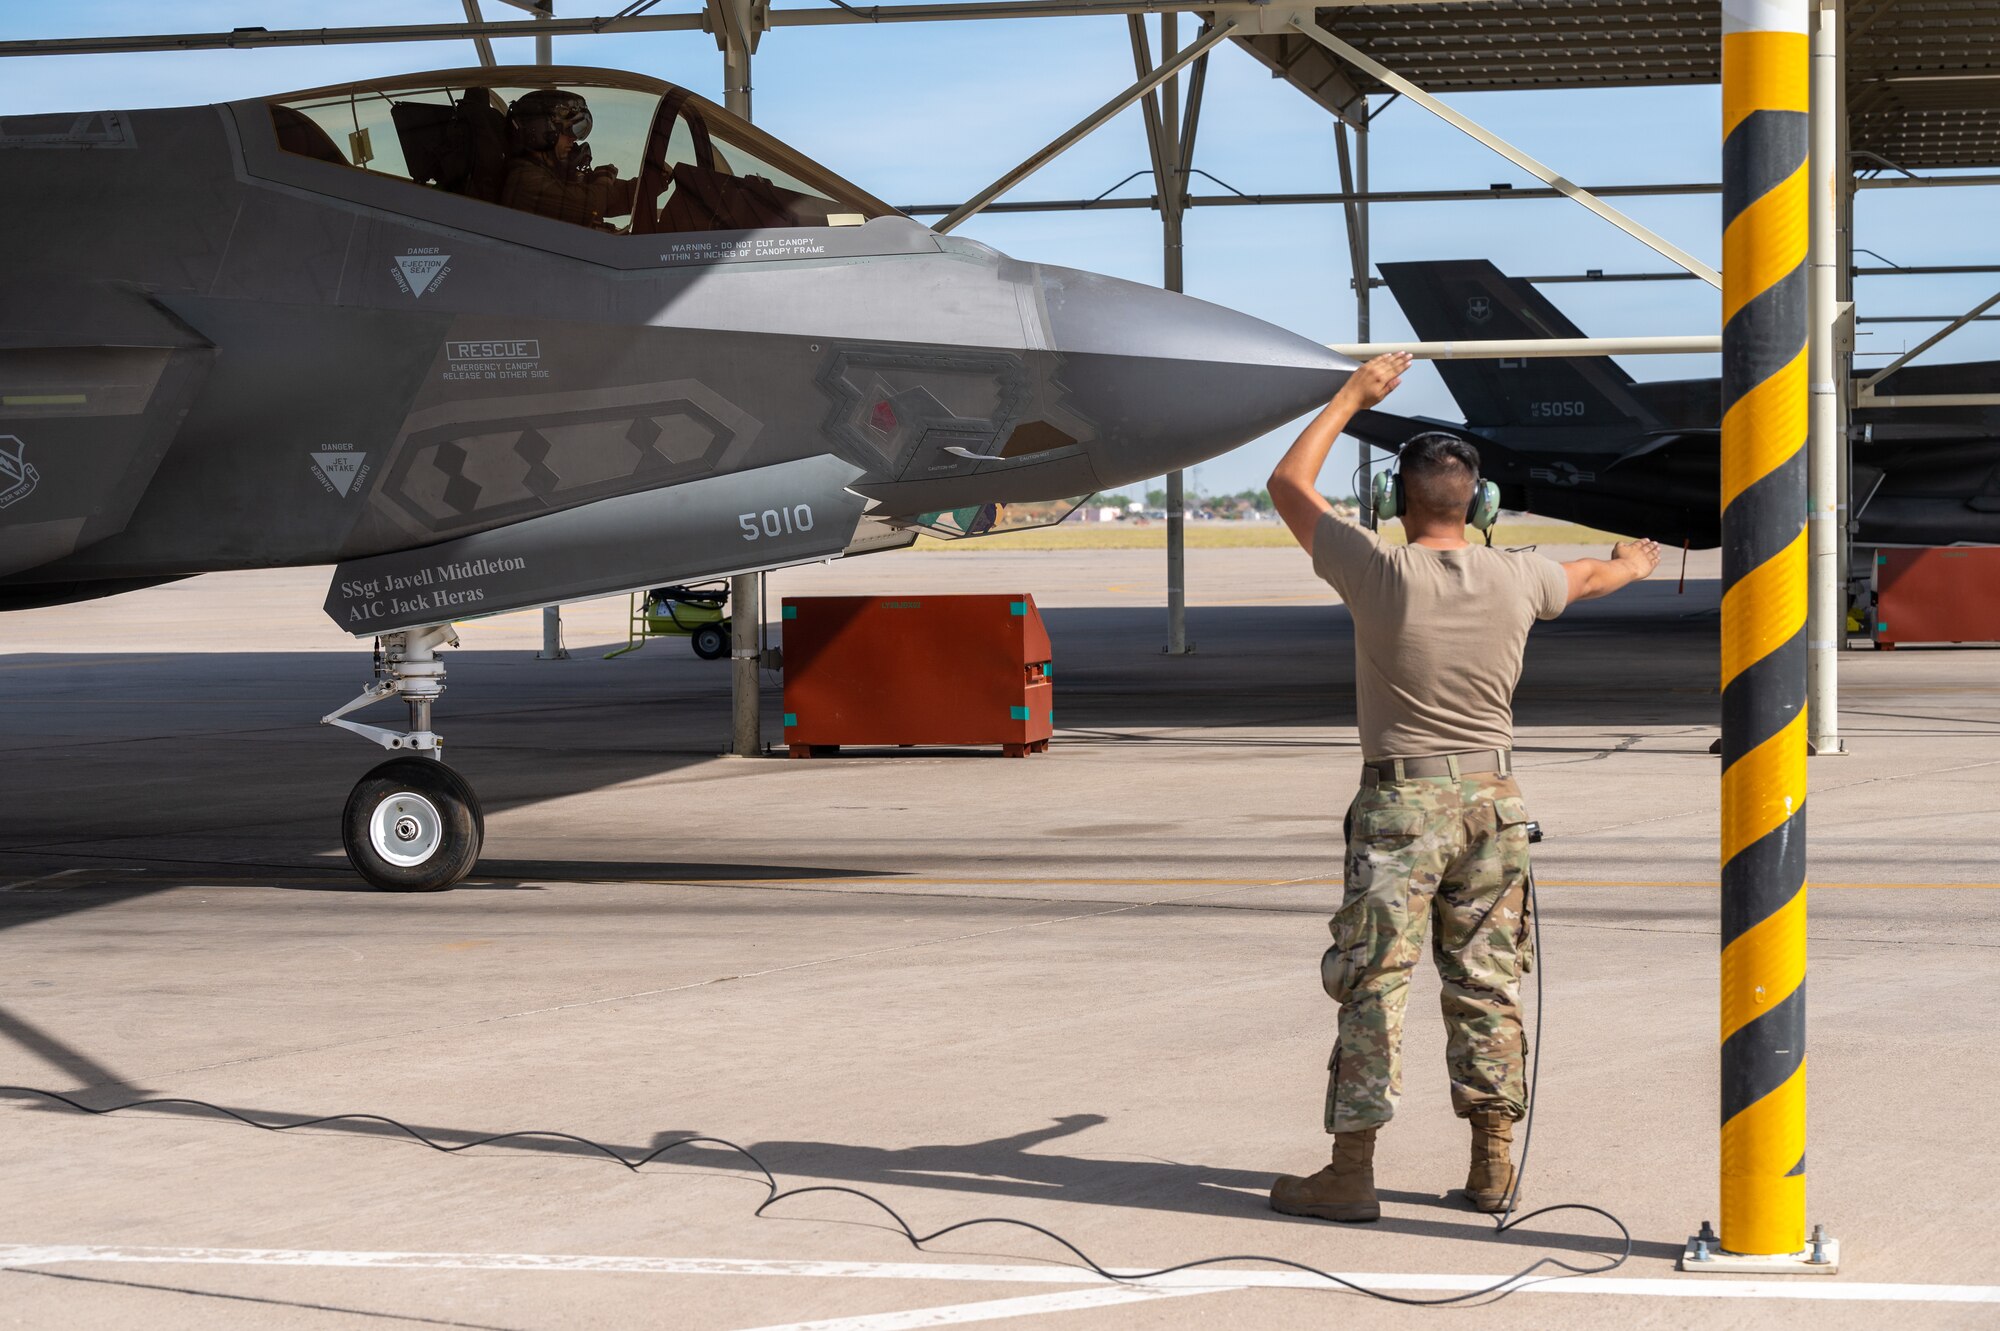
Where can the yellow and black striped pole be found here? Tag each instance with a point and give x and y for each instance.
(1765, 184)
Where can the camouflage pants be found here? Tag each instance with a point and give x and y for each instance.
(1455, 854)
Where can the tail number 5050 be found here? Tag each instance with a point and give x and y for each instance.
(774, 522)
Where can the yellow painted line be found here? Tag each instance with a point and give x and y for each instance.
(1327, 880)
(43, 400)
(1053, 881)
(1126, 589)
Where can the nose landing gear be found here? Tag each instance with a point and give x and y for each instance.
(412, 824)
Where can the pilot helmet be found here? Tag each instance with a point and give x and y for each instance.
(540, 117)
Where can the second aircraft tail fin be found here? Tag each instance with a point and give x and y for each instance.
(1471, 300)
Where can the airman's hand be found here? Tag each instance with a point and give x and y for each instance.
(1642, 556)
(1375, 380)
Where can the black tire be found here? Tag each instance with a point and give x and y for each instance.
(423, 809)
(711, 642)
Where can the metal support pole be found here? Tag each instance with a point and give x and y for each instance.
(552, 643)
(1172, 191)
(1826, 611)
(746, 592)
(736, 31)
(1362, 286)
(1844, 361)
(1765, 75)
(552, 648)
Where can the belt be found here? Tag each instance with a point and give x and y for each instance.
(1478, 762)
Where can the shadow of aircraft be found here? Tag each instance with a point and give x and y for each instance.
(162, 770)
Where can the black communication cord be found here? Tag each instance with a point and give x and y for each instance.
(776, 1194)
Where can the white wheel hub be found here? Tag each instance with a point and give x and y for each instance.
(406, 829)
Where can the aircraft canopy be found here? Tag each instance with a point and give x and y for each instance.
(643, 158)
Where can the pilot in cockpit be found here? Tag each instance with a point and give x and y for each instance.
(551, 173)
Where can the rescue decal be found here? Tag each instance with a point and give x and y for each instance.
(493, 358)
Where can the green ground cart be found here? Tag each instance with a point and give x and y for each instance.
(699, 613)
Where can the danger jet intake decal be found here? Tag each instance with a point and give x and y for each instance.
(339, 469)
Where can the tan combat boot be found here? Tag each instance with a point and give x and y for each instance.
(1344, 1190)
(1492, 1176)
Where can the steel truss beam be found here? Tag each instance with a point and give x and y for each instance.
(1320, 197)
(1864, 392)
(1465, 125)
(543, 28)
(482, 45)
(1068, 138)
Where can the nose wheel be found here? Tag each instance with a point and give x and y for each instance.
(413, 825)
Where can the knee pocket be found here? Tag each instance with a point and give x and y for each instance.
(1366, 936)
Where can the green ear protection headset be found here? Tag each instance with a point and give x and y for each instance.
(1388, 499)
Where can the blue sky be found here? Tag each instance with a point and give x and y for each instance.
(929, 113)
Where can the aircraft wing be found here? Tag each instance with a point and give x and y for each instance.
(97, 379)
(1389, 431)
(791, 513)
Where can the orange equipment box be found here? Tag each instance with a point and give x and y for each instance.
(1948, 593)
(881, 670)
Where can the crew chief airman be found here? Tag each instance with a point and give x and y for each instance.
(1437, 834)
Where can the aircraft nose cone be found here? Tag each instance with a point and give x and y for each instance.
(1170, 381)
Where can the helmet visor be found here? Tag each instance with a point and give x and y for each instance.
(571, 118)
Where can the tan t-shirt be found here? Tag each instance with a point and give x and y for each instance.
(1438, 636)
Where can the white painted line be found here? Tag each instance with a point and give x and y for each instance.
(991, 1311)
(1213, 1278)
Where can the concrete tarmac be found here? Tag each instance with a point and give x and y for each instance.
(1079, 990)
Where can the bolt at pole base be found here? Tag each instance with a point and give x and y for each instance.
(1705, 1256)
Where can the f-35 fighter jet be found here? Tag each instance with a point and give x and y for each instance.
(1578, 438)
(496, 338)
